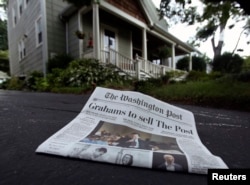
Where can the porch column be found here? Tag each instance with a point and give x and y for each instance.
(173, 57)
(80, 41)
(190, 62)
(144, 44)
(96, 31)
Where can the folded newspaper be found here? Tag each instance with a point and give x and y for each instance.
(133, 129)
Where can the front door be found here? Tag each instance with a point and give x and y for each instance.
(109, 39)
(110, 44)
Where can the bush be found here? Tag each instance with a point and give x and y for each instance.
(244, 76)
(228, 63)
(60, 61)
(14, 84)
(4, 62)
(197, 76)
(246, 64)
(147, 85)
(32, 80)
(88, 71)
(198, 64)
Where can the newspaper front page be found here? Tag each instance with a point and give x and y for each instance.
(133, 129)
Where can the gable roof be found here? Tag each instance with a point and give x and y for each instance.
(152, 14)
(161, 26)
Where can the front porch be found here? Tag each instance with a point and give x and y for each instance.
(129, 44)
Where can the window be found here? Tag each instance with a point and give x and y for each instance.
(109, 39)
(20, 7)
(20, 53)
(21, 49)
(25, 3)
(14, 17)
(39, 35)
(110, 43)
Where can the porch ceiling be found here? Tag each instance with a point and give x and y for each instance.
(154, 43)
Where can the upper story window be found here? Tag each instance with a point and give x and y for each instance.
(25, 3)
(20, 7)
(21, 49)
(14, 17)
(39, 35)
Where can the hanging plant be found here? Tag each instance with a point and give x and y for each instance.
(164, 51)
(80, 34)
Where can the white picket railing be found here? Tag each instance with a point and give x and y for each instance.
(124, 63)
(132, 67)
(153, 70)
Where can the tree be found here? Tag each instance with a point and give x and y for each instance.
(243, 4)
(198, 63)
(3, 28)
(3, 35)
(247, 29)
(3, 3)
(214, 18)
(4, 62)
(228, 63)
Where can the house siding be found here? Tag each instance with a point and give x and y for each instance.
(87, 28)
(56, 30)
(25, 26)
(124, 42)
(73, 41)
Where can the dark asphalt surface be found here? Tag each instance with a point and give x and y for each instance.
(27, 119)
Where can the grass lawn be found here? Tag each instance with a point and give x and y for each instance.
(234, 95)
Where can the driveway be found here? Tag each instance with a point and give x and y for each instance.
(27, 119)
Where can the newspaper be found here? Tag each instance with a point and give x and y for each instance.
(133, 129)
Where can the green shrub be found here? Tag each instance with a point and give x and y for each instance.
(198, 64)
(4, 62)
(228, 63)
(32, 80)
(197, 76)
(42, 85)
(215, 75)
(60, 61)
(89, 71)
(149, 84)
(244, 76)
(15, 84)
(246, 65)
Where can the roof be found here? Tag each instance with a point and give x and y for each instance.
(151, 11)
(161, 25)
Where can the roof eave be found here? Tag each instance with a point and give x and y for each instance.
(177, 41)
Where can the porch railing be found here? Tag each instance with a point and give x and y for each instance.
(153, 70)
(126, 64)
(133, 67)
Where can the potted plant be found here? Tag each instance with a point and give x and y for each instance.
(80, 34)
